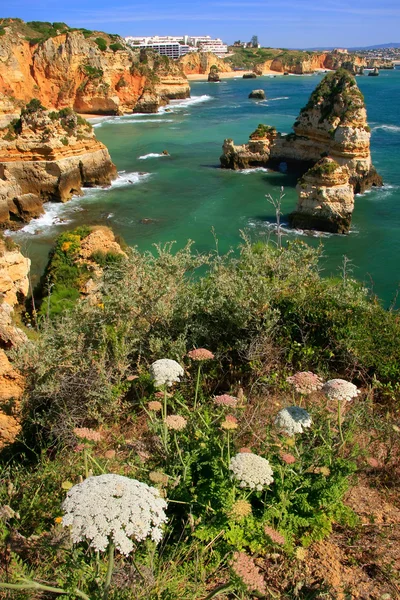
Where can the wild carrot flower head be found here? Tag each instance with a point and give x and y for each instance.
(226, 400)
(200, 354)
(251, 470)
(230, 422)
(165, 372)
(154, 405)
(175, 422)
(274, 535)
(305, 382)
(293, 419)
(340, 389)
(240, 510)
(289, 459)
(114, 508)
(245, 568)
(84, 433)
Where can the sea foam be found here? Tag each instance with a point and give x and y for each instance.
(58, 213)
(151, 155)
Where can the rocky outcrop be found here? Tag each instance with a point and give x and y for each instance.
(14, 287)
(47, 156)
(257, 95)
(11, 390)
(73, 70)
(201, 63)
(333, 124)
(213, 77)
(374, 72)
(250, 76)
(325, 198)
(255, 153)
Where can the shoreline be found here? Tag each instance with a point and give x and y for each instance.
(239, 74)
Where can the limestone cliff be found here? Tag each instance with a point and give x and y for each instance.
(47, 156)
(255, 153)
(200, 63)
(332, 124)
(91, 72)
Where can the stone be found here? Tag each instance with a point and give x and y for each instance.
(249, 76)
(258, 95)
(213, 77)
(374, 72)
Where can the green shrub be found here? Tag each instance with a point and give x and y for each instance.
(32, 107)
(102, 44)
(117, 46)
(64, 141)
(104, 259)
(92, 72)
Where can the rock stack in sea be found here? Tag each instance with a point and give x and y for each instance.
(47, 156)
(333, 124)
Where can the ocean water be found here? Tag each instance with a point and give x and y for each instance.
(187, 196)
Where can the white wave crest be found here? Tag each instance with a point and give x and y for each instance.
(254, 170)
(151, 155)
(278, 98)
(178, 104)
(392, 128)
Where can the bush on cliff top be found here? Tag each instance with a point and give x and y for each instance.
(264, 305)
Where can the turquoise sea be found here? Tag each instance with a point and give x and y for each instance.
(186, 195)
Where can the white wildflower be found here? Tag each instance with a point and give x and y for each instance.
(251, 470)
(166, 372)
(112, 507)
(340, 389)
(293, 420)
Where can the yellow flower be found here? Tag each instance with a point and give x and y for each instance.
(66, 246)
(58, 520)
(240, 510)
(301, 553)
(289, 442)
(101, 305)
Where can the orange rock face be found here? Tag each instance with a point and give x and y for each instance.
(48, 156)
(71, 71)
(200, 63)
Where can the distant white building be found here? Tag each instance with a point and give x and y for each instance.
(177, 46)
(171, 46)
(206, 44)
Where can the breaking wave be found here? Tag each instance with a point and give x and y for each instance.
(151, 155)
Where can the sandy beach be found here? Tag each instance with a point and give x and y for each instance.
(228, 75)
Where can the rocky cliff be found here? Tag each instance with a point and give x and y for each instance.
(47, 156)
(200, 63)
(14, 286)
(91, 72)
(333, 124)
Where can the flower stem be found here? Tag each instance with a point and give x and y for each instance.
(229, 448)
(180, 457)
(110, 569)
(33, 585)
(340, 421)
(85, 461)
(197, 386)
(164, 416)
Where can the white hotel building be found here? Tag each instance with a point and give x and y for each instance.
(177, 46)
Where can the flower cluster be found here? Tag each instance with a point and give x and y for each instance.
(251, 470)
(226, 400)
(200, 354)
(154, 405)
(287, 458)
(340, 389)
(240, 510)
(165, 372)
(245, 568)
(293, 420)
(230, 422)
(305, 382)
(274, 535)
(112, 507)
(84, 433)
(175, 422)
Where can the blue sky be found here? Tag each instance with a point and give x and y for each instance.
(285, 23)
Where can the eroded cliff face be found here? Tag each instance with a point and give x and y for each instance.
(70, 70)
(48, 156)
(200, 63)
(333, 124)
(14, 287)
